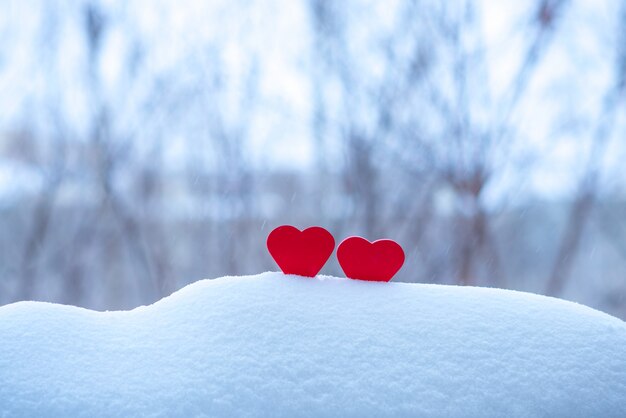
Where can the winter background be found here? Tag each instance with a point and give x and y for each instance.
(146, 145)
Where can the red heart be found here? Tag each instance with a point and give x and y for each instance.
(302, 253)
(374, 261)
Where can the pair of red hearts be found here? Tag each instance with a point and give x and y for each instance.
(305, 252)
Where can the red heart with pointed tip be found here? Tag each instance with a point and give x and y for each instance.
(376, 261)
(300, 252)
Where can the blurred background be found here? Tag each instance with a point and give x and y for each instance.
(145, 145)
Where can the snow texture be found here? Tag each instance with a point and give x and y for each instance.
(275, 345)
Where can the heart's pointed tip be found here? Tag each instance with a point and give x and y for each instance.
(317, 277)
(369, 279)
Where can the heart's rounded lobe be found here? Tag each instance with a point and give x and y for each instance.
(300, 252)
(376, 261)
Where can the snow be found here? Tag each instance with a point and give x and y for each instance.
(275, 345)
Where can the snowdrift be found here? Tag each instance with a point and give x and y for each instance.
(275, 345)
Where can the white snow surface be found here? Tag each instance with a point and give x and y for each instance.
(276, 345)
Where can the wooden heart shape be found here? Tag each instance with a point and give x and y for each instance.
(300, 252)
(376, 261)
